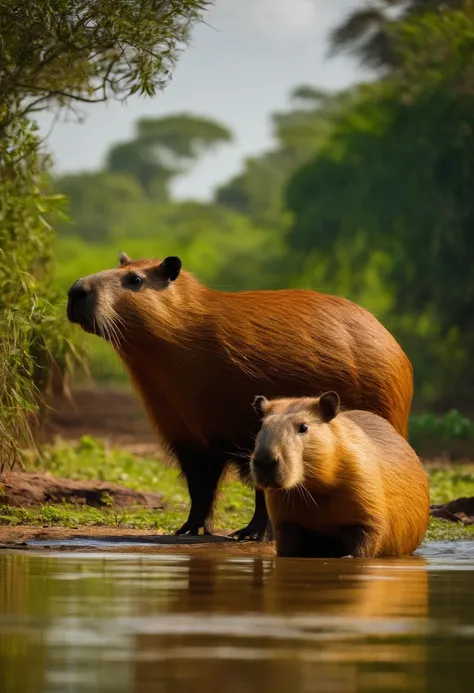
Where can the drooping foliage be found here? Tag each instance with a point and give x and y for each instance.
(58, 54)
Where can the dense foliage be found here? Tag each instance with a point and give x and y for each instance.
(367, 32)
(58, 54)
(30, 341)
(395, 178)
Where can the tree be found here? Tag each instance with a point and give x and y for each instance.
(58, 54)
(97, 201)
(396, 177)
(367, 34)
(164, 148)
(258, 190)
(69, 51)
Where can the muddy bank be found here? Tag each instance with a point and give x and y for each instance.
(26, 489)
(114, 539)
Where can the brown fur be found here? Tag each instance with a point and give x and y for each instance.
(338, 483)
(198, 356)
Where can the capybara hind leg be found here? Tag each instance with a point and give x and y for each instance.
(295, 541)
(360, 541)
(259, 525)
(202, 477)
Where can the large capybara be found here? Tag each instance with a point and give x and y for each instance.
(198, 356)
(338, 483)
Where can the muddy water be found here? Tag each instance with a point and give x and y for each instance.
(139, 623)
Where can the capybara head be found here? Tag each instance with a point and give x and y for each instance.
(106, 302)
(293, 437)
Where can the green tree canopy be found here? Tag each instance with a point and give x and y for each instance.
(367, 32)
(398, 173)
(258, 190)
(96, 202)
(163, 148)
(67, 51)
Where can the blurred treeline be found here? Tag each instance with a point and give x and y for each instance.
(367, 193)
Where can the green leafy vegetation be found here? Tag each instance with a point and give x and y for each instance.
(366, 32)
(440, 530)
(450, 435)
(57, 55)
(389, 193)
(89, 459)
(34, 350)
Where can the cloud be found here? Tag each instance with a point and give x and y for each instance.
(289, 18)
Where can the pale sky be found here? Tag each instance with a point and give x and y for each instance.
(240, 67)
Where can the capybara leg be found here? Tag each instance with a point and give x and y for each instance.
(295, 541)
(259, 524)
(202, 477)
(361, 541)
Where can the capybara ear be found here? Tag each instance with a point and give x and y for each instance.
(328, 405)
(260, 404)
(170, 268)
(124, 259)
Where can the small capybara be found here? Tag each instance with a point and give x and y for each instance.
(338, 483)
(197, 357)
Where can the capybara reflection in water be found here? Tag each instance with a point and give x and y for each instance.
(198, 356)
(338, 483)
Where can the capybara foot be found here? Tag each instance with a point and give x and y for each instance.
(253, 532)
(193, 529)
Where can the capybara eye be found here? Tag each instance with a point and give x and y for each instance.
(134, 280)
(303, 428)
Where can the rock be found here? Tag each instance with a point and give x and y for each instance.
(23, 489)
(458, 510)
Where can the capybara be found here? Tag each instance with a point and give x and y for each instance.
(338, 483)
(198, 356)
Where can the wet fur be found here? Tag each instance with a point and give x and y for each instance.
(198, 357)
(363, 491)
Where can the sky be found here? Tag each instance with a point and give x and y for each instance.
(241, 66)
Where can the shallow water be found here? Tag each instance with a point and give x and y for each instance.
(136, 623)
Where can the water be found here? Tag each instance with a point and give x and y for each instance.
(88, 621)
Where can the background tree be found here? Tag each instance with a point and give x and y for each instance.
(163, 148)
(396, 177)
(367, 32)
(70, 51)
(258, 190)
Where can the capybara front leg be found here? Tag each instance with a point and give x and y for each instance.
(202, 477)
(259, 525)
(361, 541)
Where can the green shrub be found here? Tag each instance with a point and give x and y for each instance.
(450, 426)
(34, 350)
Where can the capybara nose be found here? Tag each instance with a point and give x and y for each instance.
(77, 302)
(264, 460)
(77, 291)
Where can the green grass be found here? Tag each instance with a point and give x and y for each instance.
(89, 460)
